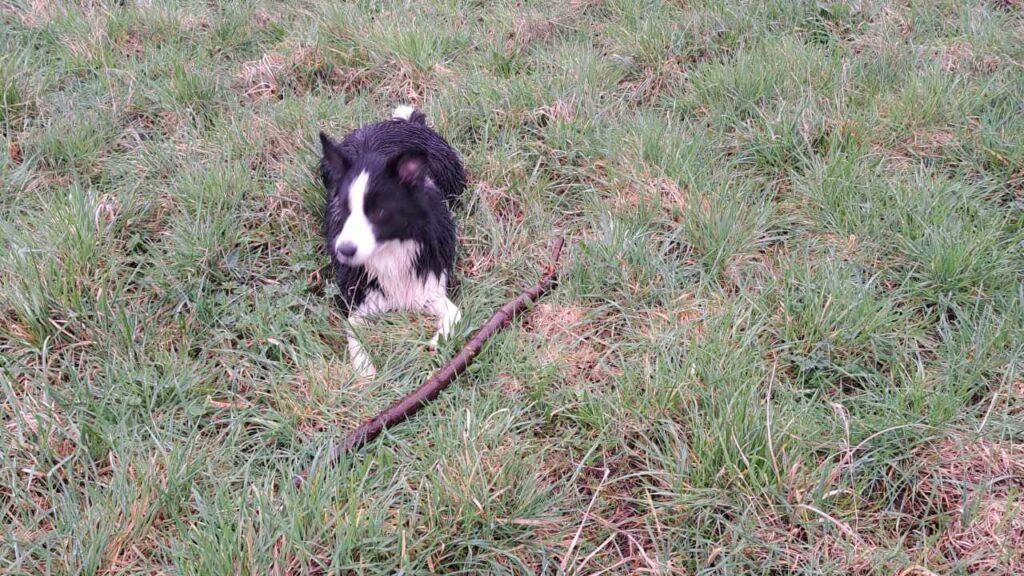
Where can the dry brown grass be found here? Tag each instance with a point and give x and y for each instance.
(930, 143)
(502, 203)
(262, 19)
(266, 77)
(564, 337)
(476, 261)
(793, 547)
(974, 489)
(960, 56)
(580, 5)
(260, 77)
(560, 111)
(480, 258)
(36, 13)
(528, 29)
(14, 151)
(891, 25)
(644, 191)
(277, 146)
(131, 44)
(41, 434)
(653, 82)
(1008, 5)
(401, 81)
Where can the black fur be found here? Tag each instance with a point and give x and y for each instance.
(416, 181)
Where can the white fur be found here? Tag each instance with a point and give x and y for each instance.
(361, 362)
(403, 113)
(401, 288)
(357, 229)
(448, 315)
(393, 265)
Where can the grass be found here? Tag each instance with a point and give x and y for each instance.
(787, 339)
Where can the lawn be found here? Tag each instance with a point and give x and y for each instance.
(788, 337)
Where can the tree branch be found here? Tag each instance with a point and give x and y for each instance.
(440, 380)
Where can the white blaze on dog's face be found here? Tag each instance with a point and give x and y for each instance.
(357, 241)
(376, 203)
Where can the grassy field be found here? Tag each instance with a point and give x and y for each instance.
(788, 339)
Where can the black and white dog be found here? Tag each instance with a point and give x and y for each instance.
(392, 187)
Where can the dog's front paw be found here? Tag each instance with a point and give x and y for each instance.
(432, 345)
(365, 371)
(362, 365)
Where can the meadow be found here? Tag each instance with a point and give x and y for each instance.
(788, 337)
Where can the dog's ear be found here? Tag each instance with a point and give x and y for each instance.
(409, 167)
(334, 164)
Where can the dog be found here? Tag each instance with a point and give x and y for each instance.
(392, 189)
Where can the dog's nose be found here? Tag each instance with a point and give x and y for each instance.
(347, 249)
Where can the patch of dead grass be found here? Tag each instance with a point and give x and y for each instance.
(136, 128)
(14, 151)
(278, 147)
(287, 67)
(262, 19)
(37, 421)
(896, 158)
(564, 339)
(528, 29)
(632, 193)
(793, 547)
(560, 111)
(510, 386)
(930, 143)
(582, 5)
(401, 81)
(478, 260)
(194, 22)
(505, 206)
(532, 28)
(481, 257)
(131, 45)
(960, 57)
(672, 197)
(286, 205)
(621, 532)
(975, 488)
(34, 13)
(1007, 5)
(646, 87)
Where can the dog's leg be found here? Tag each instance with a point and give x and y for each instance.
(359, 318)
(357, 355)
(447, 314)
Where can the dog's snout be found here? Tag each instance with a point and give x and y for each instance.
(347, 249)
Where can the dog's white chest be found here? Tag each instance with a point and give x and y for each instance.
(401, 288)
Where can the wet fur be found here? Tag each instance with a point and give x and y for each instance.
(419, 181)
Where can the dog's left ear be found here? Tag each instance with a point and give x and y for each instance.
(409, 167)
(334, 163)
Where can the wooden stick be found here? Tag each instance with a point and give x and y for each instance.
(440, 380)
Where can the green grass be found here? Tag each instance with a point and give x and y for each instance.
(788, 337)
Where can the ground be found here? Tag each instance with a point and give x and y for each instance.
(788, 337)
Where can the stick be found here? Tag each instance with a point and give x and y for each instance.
(440, 380)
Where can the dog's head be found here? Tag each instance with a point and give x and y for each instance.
(374, 198)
